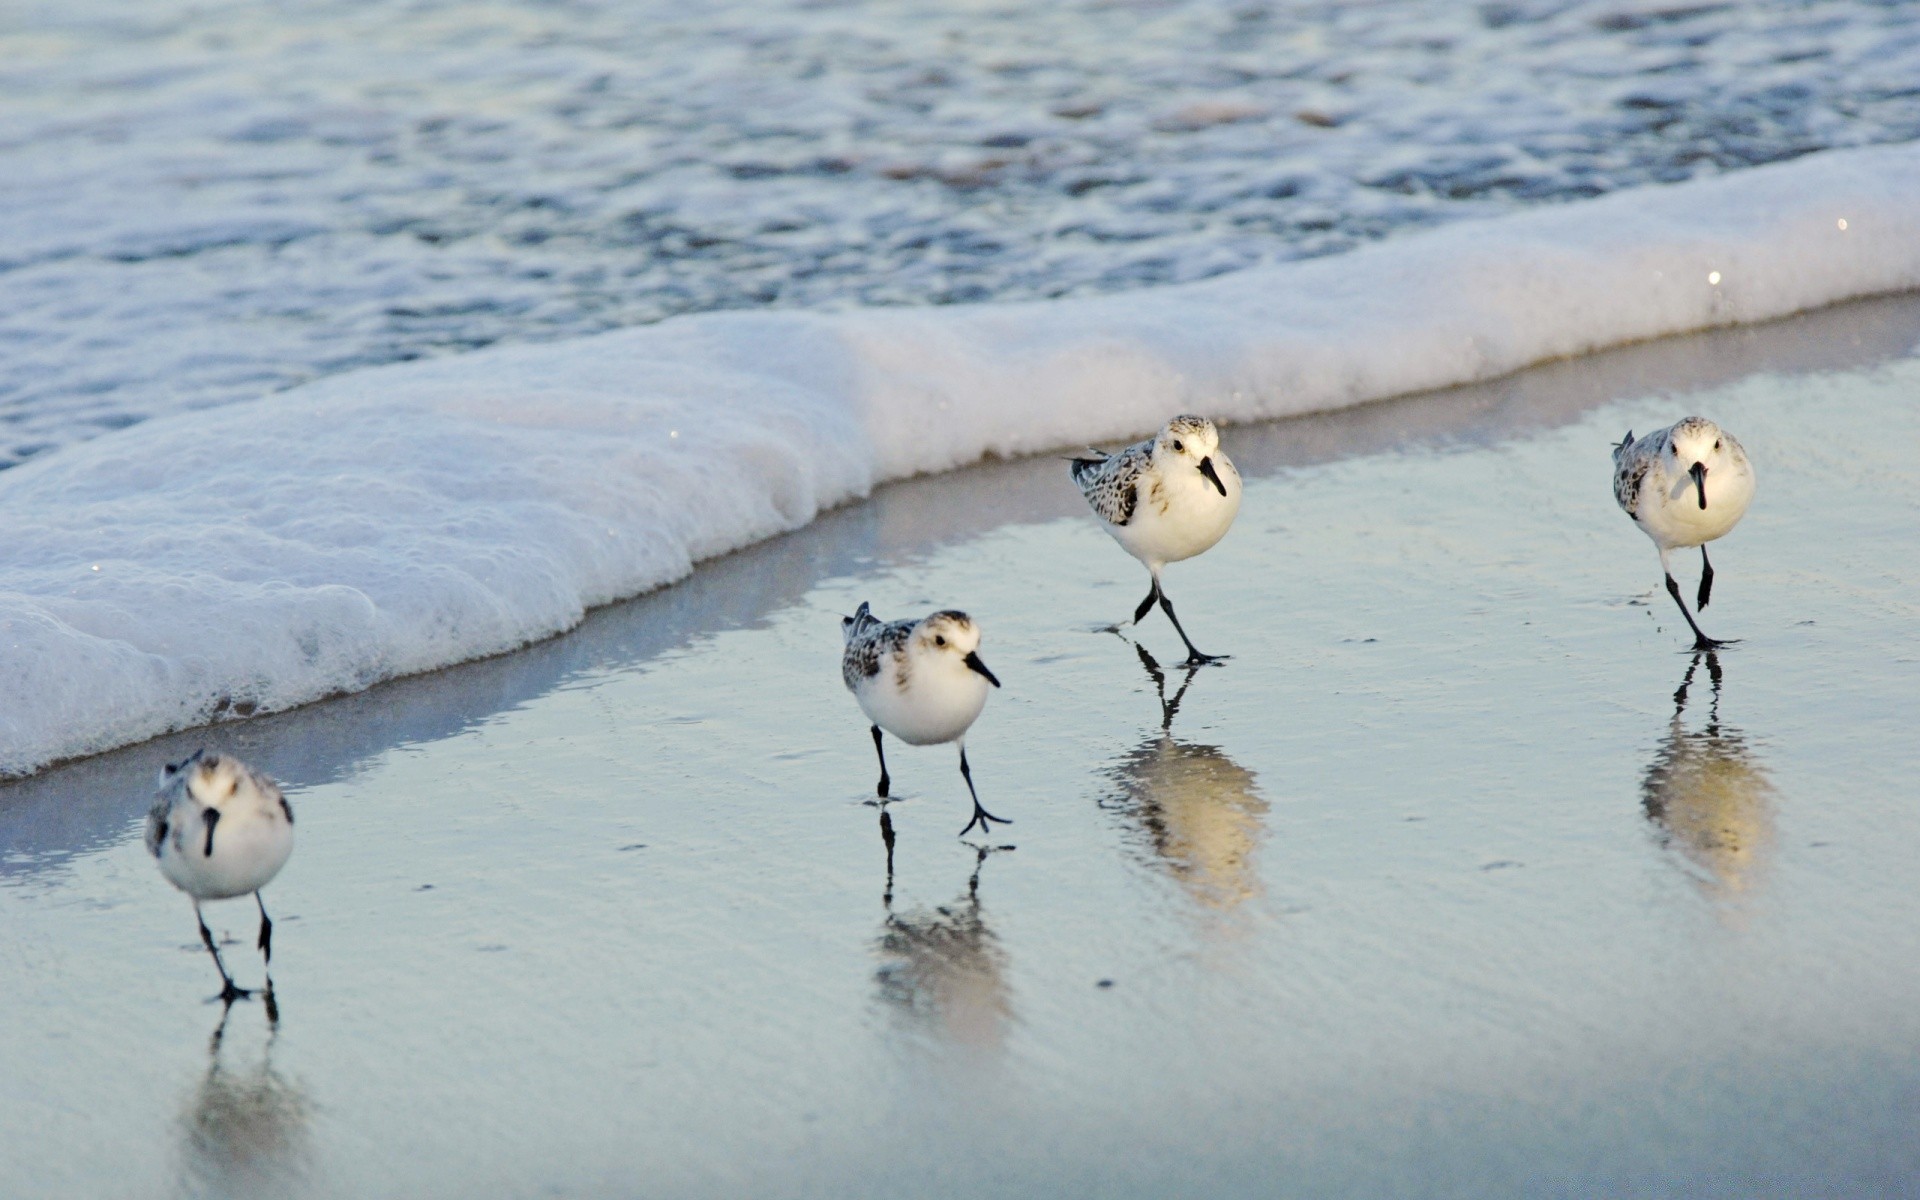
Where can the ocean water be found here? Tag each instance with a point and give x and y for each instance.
(1462, 878)
(847, 244)
(207, 201)
(214, 565)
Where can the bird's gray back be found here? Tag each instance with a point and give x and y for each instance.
(1631, 462)
(873, 645)
(1111, 484)
(158, 817)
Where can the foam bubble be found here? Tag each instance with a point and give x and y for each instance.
(263, 555)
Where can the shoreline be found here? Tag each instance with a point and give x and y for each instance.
(906, 519)
(390, 522)
(1463, 873)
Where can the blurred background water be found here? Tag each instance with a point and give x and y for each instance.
(204, 201)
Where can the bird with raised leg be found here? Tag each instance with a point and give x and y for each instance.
(923, 682)
(220, 830)
(1684, 486)
(1164, 500)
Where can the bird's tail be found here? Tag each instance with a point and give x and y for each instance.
(1622, 446)
(1081, 465)
(857, 624)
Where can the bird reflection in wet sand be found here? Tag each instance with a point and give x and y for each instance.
(1199, 811)
(942, 969)
(245, 1129)
(1707, 795)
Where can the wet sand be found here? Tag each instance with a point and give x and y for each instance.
(1462, 877)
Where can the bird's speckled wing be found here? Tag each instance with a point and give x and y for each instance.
(1631, 462)
(860, 622)
(871, 646)
(157, 817)
(1110, 483)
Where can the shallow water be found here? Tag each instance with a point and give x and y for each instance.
(1461, 878)
(205, 201)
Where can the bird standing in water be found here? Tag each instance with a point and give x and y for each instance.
(1164, 500)
(1684, 486)
(922, 681)
(220, 829)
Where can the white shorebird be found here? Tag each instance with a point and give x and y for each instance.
(1165, 499)
(922, 681)
(1684, 486)
(220, 829)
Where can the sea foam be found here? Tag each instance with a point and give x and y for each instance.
(391, 521)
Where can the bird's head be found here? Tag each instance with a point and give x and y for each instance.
(1194, 442)
(1698, 447)
(211, 779)
(952, 637)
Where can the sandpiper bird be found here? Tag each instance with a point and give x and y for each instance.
(220, 829)
(922, 681)
(1684, 486)
(1165, 499)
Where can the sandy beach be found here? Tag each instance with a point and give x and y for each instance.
(1462, 878)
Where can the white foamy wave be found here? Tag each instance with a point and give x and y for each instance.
(266, 554)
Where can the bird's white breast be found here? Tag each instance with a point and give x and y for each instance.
(938, 699)
(1178, 513)
(1670, 511)
(250, 845)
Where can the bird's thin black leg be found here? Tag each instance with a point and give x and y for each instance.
(228, 992)
(266, 931)
(1146, 606)
(1706, 581)
(1700, 640)
(1194, 656)
(980, 815)
(885, 783)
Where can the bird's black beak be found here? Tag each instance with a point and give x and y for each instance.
(974, 664)
(1213, 477)
(1699, 473)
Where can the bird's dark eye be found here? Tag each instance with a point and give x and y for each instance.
(1716, 443)
(1178, 448)
(939, 640)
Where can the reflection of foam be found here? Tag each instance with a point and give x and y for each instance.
(245, 1133)
(944, 971)
(1201, 812)
(1709, 796)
